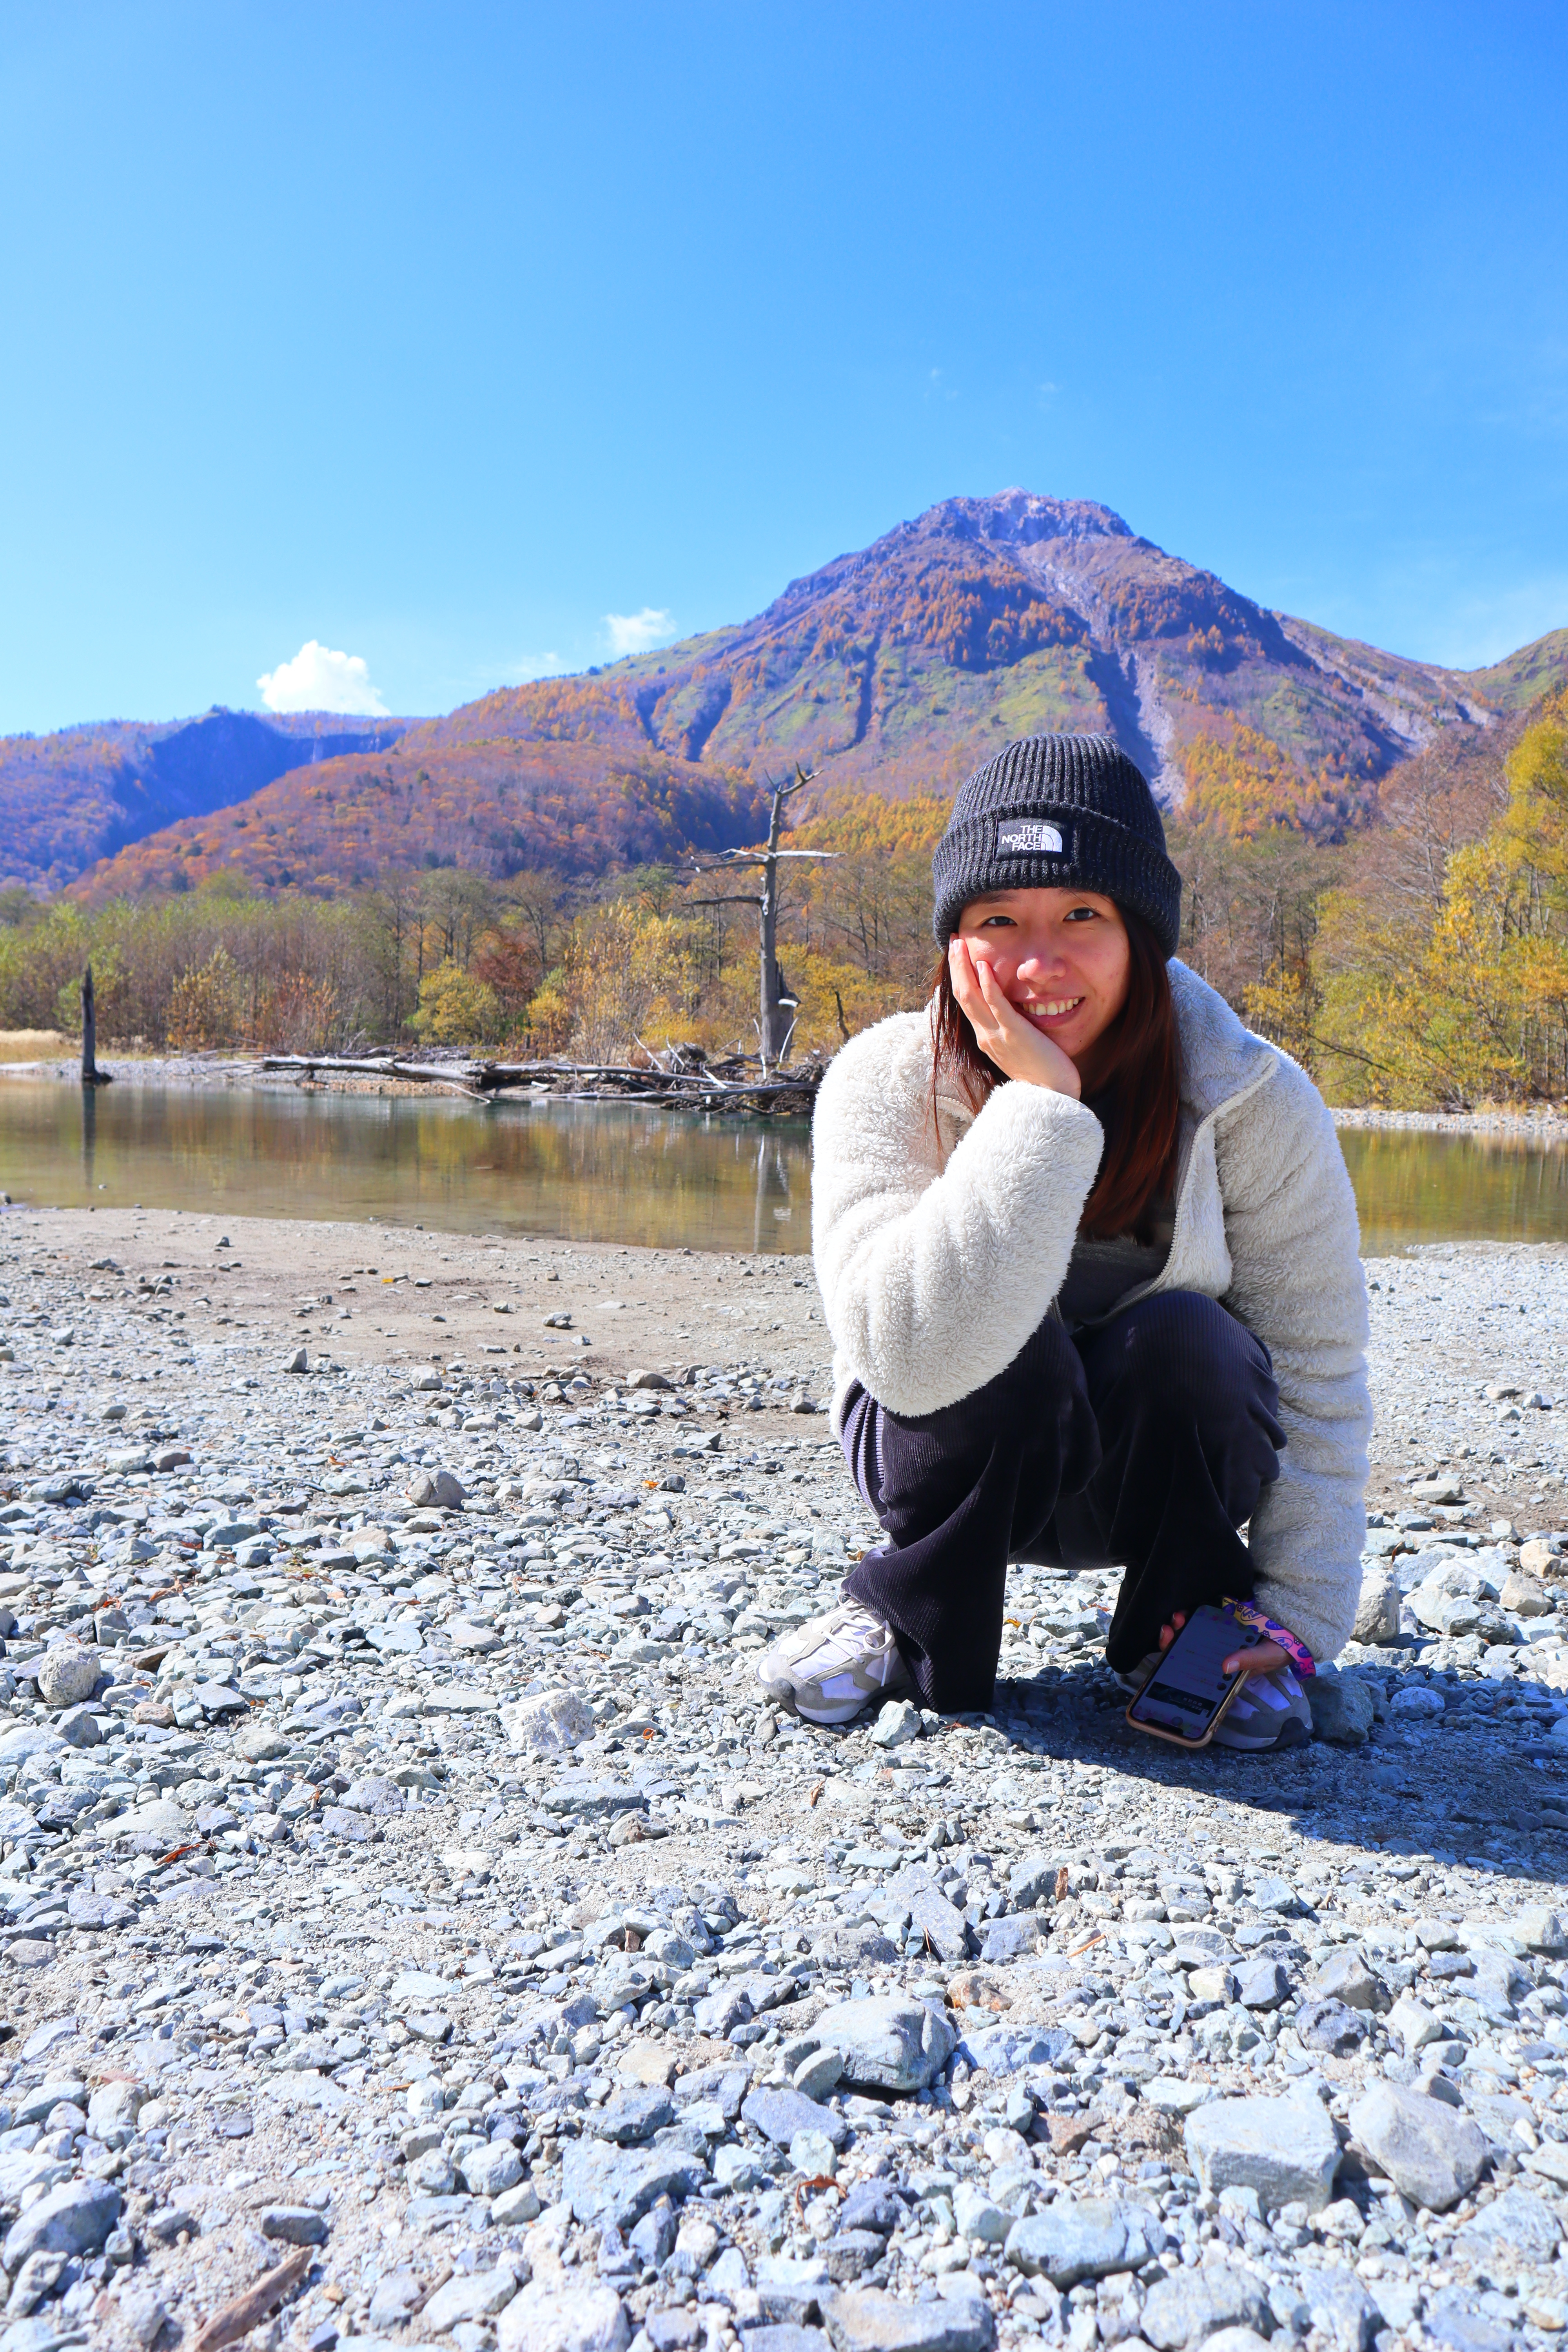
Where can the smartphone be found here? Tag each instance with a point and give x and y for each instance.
(1187, 1693)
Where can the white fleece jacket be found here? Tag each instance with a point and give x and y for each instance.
(940, 1248)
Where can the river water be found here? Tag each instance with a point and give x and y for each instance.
(604, 1171)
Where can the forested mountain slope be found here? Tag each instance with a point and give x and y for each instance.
(70, 798)
(893, 669)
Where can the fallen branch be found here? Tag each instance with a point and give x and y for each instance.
(726, 1085)
(355, 1065)
(238, 2318)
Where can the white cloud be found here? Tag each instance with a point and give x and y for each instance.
(634, 633)
(319, 679)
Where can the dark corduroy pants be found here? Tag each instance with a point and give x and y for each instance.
(1144, 1443)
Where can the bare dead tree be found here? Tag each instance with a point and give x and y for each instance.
(91, 1075)
(775, 1024)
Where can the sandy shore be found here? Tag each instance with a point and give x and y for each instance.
(392, 1295)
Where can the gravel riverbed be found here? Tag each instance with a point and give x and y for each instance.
(414, 1930)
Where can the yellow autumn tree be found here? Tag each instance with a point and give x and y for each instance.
(1466, 1000)
(455, 1008)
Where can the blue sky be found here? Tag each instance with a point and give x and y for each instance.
(430, 336)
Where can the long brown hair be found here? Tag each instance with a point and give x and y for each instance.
(1139, 1095)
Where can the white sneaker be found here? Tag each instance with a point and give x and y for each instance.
(831, 1667)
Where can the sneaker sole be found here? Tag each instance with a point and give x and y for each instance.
(831, 1712)
(1292, 1733)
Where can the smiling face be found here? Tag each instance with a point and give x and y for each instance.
(1061, 958)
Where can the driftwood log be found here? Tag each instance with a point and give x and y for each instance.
(238, 2316)
(672, 1082)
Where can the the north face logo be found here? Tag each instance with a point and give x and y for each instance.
(1026, 835)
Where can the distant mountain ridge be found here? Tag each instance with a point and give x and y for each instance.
(893, 668)
(71, 798)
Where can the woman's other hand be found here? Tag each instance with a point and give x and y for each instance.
(1260, 1658)
(1018, 1049)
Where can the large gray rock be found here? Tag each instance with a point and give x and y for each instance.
(546, 2318)
(1330, 2025)
(1431, 2152)
(1517, 2230)
(1083, 2237)
(355, 1828)
(790, 2287)
(937, 1919)
(163, 1822)
(887, 2042)
(67, 1675)
(1377, 1610)
(725, 2084)
(1285, 2149)
(1341, 1705)
(74, 2218)
(295, 2225)
(1191, 2307)
(632, 2114)
(1278, 1896)
(1346, 1976)
(604, 2183)
(260, 1743)
(1457, 2320)
(1541, 1928)
(1343, 2312)
(1013, 1938)
(437, 1489)
(28, 1739)
(114, 2107)
(492, 2171)
(865, 2319)
(376, 1795)
(1001, 2049)
(781, 2115)
(479, 2296)
(1261, 1982)
(717, 2014)
(897, 1723)
(1033, 1880)
(586, 1799)
(849, 2254)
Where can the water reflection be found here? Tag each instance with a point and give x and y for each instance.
(587, 1171)
(1415, 1187)
(604, 1171)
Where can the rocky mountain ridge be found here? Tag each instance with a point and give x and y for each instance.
(897, 667)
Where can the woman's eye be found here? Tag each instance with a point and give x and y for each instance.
(1001, 922)
(1081, 915)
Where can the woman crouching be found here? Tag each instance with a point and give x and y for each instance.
(1089, 1259)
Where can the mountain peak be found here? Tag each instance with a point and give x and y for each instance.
(1019, 518)
(894, 669)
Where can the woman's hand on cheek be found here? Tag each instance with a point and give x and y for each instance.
(1018, 1049)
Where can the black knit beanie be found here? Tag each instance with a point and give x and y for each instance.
(1059, 813)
